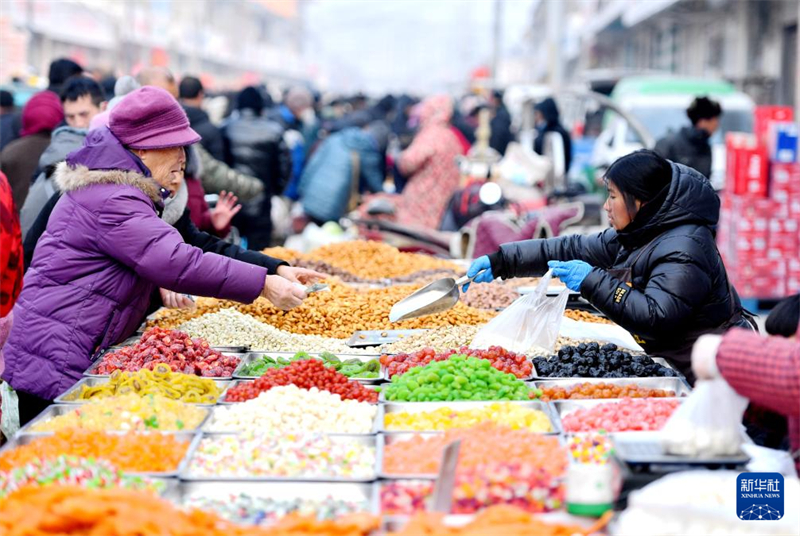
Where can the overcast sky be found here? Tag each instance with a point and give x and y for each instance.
(405, 45)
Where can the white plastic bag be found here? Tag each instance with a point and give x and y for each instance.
(708, 423)
(531, 321)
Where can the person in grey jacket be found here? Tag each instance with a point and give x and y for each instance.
(63, 141)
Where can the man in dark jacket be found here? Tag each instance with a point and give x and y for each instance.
(690, 145)
(500, 125)
(191, 96)
(255, 146)
(656, 273)
(548, 120)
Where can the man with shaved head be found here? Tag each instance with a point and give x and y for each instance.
(158, 77)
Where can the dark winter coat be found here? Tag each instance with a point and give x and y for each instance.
(212, 137)
(18, 161)
(501, 134)
(688, 146)
(552, 124)
(256, 147)
(104, 252)
(680, 288)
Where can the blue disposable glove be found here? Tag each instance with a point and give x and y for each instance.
(571, 273)
(485, 276)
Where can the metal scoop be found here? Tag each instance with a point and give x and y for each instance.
(434, 298)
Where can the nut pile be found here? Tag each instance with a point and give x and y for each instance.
(344, 310)
(440, 340)
(584, 316)
(229, 327)
(376, 260)
(489, 296)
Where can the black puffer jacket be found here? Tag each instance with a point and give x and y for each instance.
(679, 287)
(255, 146)
(688, 146)
(212, 137)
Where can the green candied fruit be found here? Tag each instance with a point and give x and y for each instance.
(457, 378)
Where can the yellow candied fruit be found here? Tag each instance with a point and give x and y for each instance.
(129, 412)
(514, 416)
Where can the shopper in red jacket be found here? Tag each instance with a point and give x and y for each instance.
(765, 370)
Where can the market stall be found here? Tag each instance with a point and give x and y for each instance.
(244, 419)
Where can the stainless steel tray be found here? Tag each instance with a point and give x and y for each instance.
(24, 438)
(678, 385)
(645, 448)
(250, 357)
(367, 493)
(420, 407)
(563, 408)
(91, 371)
(379, 337)
(382, 399)
(370, 441)
(68, 397)
(376, 423)
(387, 438)
(659, 360)
(58, 410)
(223, 399)
(530, 377)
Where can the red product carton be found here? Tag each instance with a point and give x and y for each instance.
(747, 166)
(764, 115)
(785, 181)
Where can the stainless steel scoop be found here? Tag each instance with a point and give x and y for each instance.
(434, 298)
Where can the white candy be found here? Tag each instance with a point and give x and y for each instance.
(291, 409)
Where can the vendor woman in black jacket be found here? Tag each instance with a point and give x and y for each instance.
(656, 272)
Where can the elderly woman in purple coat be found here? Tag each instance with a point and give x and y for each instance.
(106, 249)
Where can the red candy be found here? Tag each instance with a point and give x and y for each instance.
(176, 349)
(628, 415)
(305, 374)
(501, 359)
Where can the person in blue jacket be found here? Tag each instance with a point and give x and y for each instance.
(346, 164)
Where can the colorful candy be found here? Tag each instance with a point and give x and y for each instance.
(126, 413)
(72, 471)
(457, 378)
(257, 510)
(480, 445)
(500, 358)
(627, 415)
(352, 368)
(595, 449)
(289, 408)
(132, 452)
(514, 416)
(305, 374)
(283, 455)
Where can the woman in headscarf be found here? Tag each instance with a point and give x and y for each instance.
(106, 249)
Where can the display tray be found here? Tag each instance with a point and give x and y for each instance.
(530, 377)
(563, 408)
(58, 410)
(394, 523)
(645, 448)
(379, 337)
(659, 360)
(91, 372)
(419, 407)
(250, 357)
(133, 340)
(376, 424)
(223, 399)
(69, 397)
(677, 385)
(370, 441)
(23, 438)
(388, 438)
(367, 493)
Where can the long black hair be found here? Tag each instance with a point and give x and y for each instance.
(639, 176)
(785, 317)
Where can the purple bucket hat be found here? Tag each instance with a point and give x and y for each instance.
(151, 118)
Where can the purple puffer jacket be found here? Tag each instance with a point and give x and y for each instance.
(104, 252)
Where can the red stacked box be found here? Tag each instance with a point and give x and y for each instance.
(759, 232)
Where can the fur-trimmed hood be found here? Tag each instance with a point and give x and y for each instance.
(68, 179)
